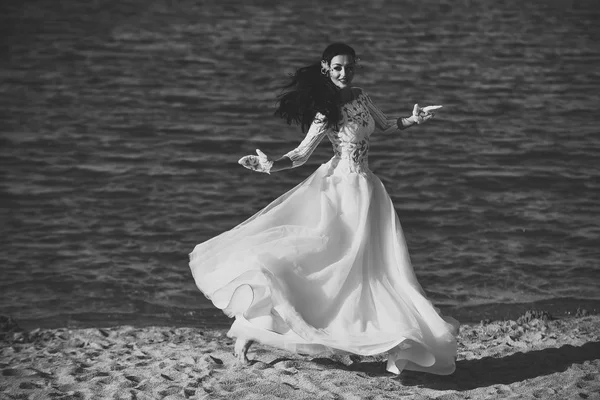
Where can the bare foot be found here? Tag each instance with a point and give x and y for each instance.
(241, 350)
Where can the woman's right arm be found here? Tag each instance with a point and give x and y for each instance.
(292, 159)
(282, 163)
(302, 153)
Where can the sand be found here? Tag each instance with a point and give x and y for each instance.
(531, 358)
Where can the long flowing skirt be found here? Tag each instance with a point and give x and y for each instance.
(325, 269)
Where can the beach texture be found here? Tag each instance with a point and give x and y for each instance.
(534, 357)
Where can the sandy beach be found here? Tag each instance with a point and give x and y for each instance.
(537, 358)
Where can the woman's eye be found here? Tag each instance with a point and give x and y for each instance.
(337, 68)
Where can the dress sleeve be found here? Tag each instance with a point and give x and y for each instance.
(315, 134)
(382, 121)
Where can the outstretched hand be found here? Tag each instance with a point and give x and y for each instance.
(260, 163)
(421, 115)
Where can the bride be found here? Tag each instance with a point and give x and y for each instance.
(325, 267)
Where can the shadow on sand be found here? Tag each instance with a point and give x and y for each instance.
(487, 371)
(473, 374)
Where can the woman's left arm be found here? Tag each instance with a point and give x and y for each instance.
(386, 124)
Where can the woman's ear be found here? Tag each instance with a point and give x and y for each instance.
(324, 67)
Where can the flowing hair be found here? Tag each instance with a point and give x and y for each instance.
(310, 92)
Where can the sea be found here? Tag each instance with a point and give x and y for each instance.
(122, 121)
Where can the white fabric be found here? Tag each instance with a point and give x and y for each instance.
(315, 134)
(382, 122)
(325, 268)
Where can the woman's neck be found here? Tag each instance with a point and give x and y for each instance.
(345, 95)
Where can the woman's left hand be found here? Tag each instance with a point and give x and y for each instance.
(421, 115)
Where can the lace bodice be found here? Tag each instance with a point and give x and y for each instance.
(350, 143)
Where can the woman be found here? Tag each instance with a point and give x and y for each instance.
(325, 268)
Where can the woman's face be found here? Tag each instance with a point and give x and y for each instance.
(341, 70)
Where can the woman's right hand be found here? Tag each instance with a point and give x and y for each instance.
(260, 163)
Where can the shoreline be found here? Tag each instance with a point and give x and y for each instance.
(213, 318)
(530, 357)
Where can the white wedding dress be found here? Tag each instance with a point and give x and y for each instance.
(325, 268)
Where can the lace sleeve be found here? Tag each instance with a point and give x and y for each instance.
(382, 121)
(313, 137)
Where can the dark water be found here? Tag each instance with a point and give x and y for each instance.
(122, 122)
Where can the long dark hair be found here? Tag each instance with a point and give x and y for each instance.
(309, 92)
